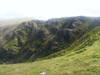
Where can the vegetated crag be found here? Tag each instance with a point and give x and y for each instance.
(35, 39)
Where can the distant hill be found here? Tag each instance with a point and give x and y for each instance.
(14, 21)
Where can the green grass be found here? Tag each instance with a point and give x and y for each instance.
(84, 59)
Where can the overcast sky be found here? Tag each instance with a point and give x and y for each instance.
(45, 9)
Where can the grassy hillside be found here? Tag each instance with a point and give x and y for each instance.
(82, 58)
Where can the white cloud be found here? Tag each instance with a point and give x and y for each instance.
(44, 9)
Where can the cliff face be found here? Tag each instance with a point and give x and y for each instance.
(36, 39)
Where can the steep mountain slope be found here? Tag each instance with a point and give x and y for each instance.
(9, 25)
(82, 58)
(36, 39)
